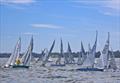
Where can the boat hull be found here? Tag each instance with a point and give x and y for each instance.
(89, 69)
(20, 66)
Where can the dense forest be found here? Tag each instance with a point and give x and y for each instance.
(55, 54)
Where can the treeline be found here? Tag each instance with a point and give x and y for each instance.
(55, 54)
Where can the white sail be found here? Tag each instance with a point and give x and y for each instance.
(104, 57)
(105, 54)
(82, 56)
(66, 58)
(15, 54)
(47, 54)
(61, 54)
(41, 57)
(112, 63)
(27, 56)
(79, 62)
(91, 54)
(19, 48)
(87, 62)
(93, 51)
(71, 57)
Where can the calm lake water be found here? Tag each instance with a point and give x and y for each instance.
(48, 74)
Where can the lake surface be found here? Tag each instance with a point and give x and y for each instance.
(48, 74)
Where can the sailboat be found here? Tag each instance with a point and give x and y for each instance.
(58, 61)
(107, 59)
(82, 55)
(41, 56)
(112, 63)
(47, 54)
(14, 55)
(26, 58)
(90, 60)
(70, 56)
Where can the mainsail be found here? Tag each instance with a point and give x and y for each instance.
(27, 56)
(90, 60)
(70, 56)
(82, 55)
(105, 54)
(93, 51)
(15, 54)
(47, 54)
(107, 58)
(87, 61)
(42, 56)
(112, 63)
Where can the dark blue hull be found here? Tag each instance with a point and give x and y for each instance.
(89, 69)
(20, 66)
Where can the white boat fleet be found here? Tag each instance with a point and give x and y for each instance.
(85, 59)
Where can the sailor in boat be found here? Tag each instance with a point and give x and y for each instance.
(18, 62)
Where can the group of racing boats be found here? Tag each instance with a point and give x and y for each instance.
(85, 59)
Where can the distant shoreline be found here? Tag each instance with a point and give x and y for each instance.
(55, 54)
